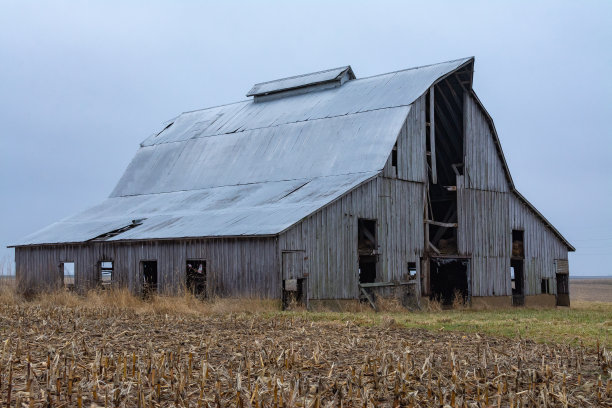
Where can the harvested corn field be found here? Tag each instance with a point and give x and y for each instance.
(79, 355)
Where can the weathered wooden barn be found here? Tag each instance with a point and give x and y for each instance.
(321, 187)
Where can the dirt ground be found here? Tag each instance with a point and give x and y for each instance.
(591, 290)
(63, 356)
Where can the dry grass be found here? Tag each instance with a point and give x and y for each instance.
(113, 349)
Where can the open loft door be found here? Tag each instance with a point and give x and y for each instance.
(445, 161)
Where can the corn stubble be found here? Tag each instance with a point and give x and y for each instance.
(84, 355)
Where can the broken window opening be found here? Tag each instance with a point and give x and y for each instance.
(518, 247)
(412, 271)
(195, 278)
(149, 277)
(366, 237)
(67, 274)
(545, 286)
(106, 273)
(394, 158)
(517, 279)
(449, 280)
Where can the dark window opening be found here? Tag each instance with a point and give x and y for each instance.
(366, 236)
(449, 280)
(394, 157)
(293, 293)
(518, 248)
(195, 278)
(412, 271)
(106, 273)
(545, 286)
(518, 281)
(67, 274)
(149, 277)
(367, 269)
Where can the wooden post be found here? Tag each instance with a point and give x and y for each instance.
(432, 136)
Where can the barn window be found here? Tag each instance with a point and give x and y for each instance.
(394, 158)
(195, 278)
(545, 286)
(412, 271)
(518, 247)
(106, 273)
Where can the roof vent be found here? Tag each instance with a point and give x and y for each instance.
(315, 81)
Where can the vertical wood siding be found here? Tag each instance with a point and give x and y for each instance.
(483, 168)
(541, 247)
(488, 212)
(329, 237)
(411, 159)
(235, 267)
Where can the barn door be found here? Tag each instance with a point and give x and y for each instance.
(294, 282)
(562, 275)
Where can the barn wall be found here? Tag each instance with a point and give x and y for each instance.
(235, 267)
(328, 238)
(489, 210)
(541, 247)
(411, 162)
(484, 170)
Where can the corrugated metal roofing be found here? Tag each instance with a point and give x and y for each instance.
(299, 81)
(254, 168)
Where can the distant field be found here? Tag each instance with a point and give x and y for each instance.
(591, 290)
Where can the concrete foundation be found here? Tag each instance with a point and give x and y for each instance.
(545, 301)
(491, 302)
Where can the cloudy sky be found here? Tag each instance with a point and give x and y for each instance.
(83, 83)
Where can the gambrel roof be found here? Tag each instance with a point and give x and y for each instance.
(256, 167)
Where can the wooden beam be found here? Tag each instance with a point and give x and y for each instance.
(442, 224)
(432, 135)
(367, 295)
(436, 250)
(385, 284)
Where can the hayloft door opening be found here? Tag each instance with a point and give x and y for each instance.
(195, 277)
(149, 277)
(294, 289)
(449, 280)
(518, 282)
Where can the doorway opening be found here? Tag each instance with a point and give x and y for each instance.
(106, 273)
(563, 298)
(67, 274)
(293, 293)
(368, 256)
(449, 280)
(149, 277)
(195, 278)
(518, 282)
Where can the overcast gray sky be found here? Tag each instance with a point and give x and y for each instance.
(83, 83)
